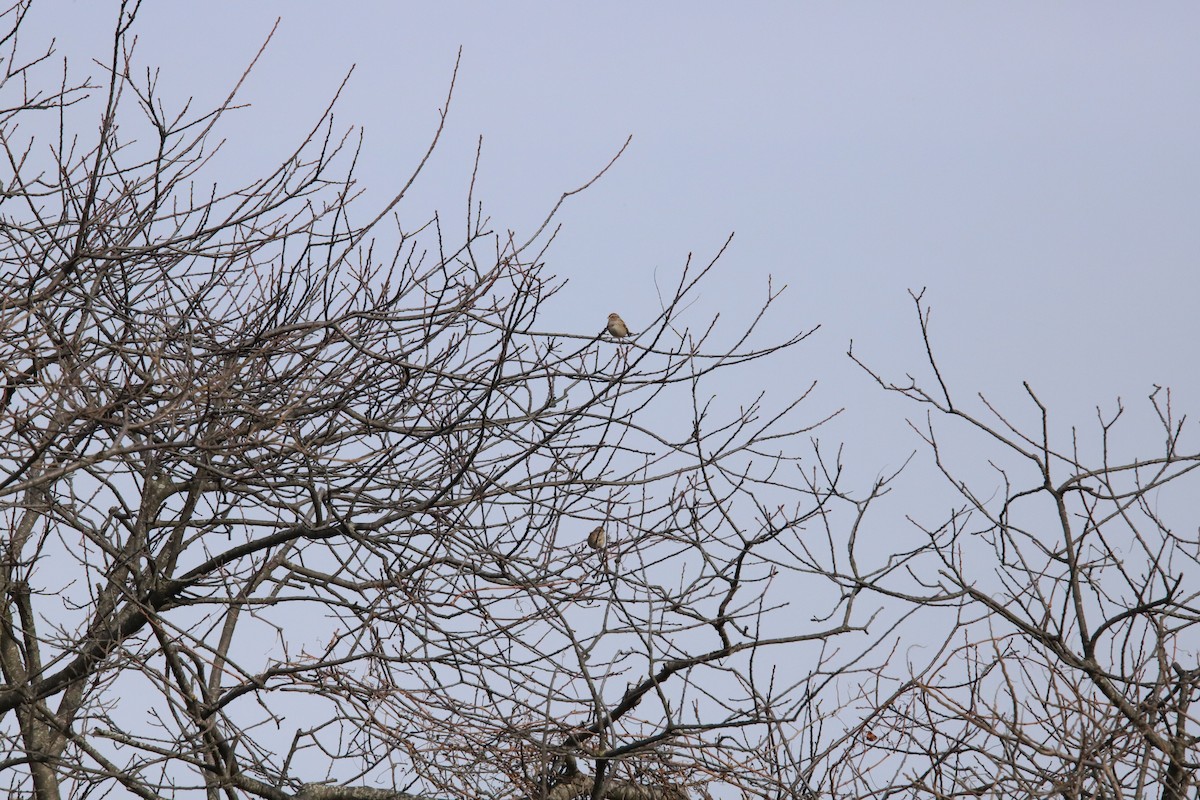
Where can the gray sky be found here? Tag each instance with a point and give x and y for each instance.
(1036, 166)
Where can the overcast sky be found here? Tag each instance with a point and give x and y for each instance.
(1036, 166)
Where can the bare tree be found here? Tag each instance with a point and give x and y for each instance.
(304, 501)
(1067, 579)
(298, 495)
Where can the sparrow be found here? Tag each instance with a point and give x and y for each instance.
(616, 326)
(596, 538)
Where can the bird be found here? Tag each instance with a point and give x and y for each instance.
(616, 326)
(596, 538)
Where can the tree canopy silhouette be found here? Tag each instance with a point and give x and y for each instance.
(303, 500)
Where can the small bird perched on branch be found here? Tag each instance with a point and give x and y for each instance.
(616, 326)
(596, 538)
